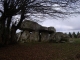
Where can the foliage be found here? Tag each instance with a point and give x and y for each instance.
(74, 35)
(76, 40)
(78, 35)
(70, 35)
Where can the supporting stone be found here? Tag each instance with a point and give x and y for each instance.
(58, 36)
(25, 37)
(44, 37)
(34, 36)
(38, 33)
(51, 37)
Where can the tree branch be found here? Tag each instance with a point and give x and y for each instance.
(1, 11)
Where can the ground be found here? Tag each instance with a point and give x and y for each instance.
(41, 51)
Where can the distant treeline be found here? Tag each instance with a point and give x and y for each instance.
(74, 35)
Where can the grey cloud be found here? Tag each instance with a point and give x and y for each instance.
(68, 25)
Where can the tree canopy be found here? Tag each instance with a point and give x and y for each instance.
(51, 7)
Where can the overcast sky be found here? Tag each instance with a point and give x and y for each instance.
(70, 24)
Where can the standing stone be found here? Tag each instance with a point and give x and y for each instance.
(65, 38)
(34, 36)
(51, 37)
(61, 37)
(44, 36)
(18, 36)
(25, 37)
(51, 31)
(58, 36)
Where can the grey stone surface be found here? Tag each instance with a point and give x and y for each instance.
(42, 28)
(52, 29)
(30, 25)
(44, 37)
(51, 37)
(61, 37)
(65, 38)
(25, 37)
(57, 36)
(38, 32)
(34, 36)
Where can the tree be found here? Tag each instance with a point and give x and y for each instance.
(27, 8)
(70, 35)
(74, 35)
(78, 35)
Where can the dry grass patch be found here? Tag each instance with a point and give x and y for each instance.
(40, 51)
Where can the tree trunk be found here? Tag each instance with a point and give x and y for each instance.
(3, 33)
(13, 38)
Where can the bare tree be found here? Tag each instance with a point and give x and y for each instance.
(27, 8)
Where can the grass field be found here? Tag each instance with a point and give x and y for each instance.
(76, 40)
(41, 51)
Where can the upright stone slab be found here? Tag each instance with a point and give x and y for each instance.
(65, 38)
(34, 36)
(58, 36)
(44, 37)
(51, 37)
(25, 37)
(18, 36)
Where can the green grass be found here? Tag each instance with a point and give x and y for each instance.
(75, 40)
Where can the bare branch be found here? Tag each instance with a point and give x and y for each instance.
(1, 11)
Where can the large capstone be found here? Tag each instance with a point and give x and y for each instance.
(32, 31)
(43, 29)
(30, 25)
(51, 29)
